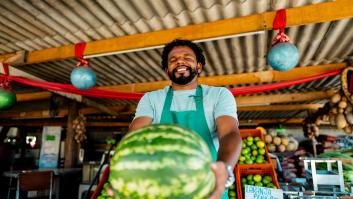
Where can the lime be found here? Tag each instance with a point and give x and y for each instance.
(265, 181)
(254, 153)
(259, 160)
(257, 178)
(259, 184)
(243, 180)
(250, 139)
(244, 151)
(260, 144)
(262, 151)
(249, 144)
(249, 177)
(269, 178)
(257, 139)
(253, 147)
(270, 184)
(231, 193)
(251, 182)
(249, 161)
(242, 158)
(253, 158)
(243, 145)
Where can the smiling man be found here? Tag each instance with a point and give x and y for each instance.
(209, 111)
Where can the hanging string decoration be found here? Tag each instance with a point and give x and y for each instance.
(82, 77)
(7, 97)
(79, 126)
(283, 55)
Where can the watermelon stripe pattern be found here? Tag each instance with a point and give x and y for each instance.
(162, 161)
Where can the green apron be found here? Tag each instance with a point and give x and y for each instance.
(194, 119)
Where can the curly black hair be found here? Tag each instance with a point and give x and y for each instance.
(200, 58)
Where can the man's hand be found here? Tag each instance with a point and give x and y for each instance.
(219, 168)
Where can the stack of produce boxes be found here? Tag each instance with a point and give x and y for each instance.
(254, 166)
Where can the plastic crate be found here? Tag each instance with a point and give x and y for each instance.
(243, 170)
(244, 133)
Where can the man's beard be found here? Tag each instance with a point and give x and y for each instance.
(182, 80)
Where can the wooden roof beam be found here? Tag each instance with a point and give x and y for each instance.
(271, 121)
(314, 13)
(292, 107)
(283, 98)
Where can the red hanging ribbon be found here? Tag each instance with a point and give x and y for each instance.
(137, 96)
(79, 50)
(279, 23)
(4, 80)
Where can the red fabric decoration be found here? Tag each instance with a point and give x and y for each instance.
(79, 50)
(4, 81)
(279, 23)
(137, 96)
(278, 85)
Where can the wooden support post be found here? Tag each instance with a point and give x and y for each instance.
(71, 147)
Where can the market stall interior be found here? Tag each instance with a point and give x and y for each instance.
(288, 64)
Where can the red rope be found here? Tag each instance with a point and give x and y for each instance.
(79, 50)
(68, 88)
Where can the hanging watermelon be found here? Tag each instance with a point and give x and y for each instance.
(83, 78)
(162, 161)
(283, 56)
(7, 99)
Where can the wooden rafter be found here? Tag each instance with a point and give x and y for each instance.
(272, 121)
(245, 103)
(314, 13)
(284, 98)
(292, 107)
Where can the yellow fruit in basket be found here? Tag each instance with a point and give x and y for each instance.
(260, 144)
(281, 148)
(242, 158)
(284, 141)
(250, 139)
(254, 153)
(277, 141)
(271, 147)
(268, 139)
(257, 178)
(290, 147)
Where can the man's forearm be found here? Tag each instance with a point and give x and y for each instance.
(230, 148)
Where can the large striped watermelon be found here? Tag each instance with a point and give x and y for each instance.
(162, 161)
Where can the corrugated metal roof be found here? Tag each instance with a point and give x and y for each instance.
(40, 24)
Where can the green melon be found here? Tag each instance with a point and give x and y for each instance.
(162, 161)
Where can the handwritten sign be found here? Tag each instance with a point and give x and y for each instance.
(253, 192)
